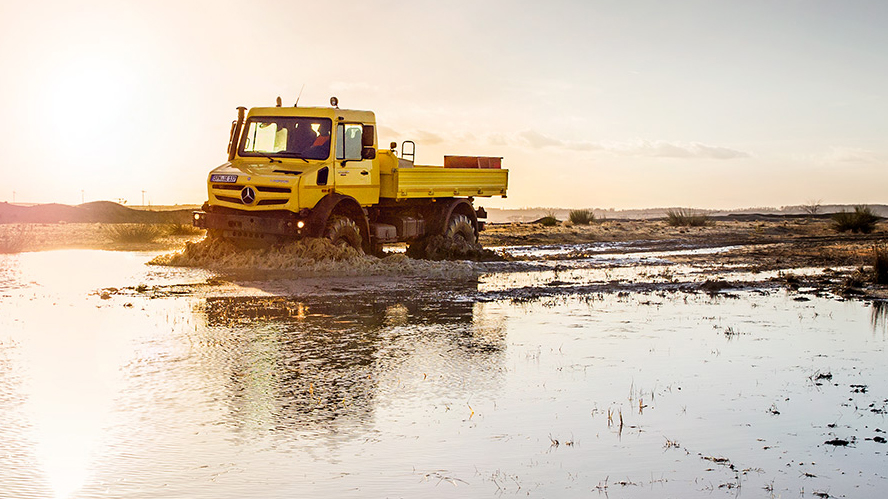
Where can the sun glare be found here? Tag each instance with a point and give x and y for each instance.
(87, 102)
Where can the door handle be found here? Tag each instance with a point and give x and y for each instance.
(365, 172)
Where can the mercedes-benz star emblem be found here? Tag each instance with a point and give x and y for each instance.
(248, 195)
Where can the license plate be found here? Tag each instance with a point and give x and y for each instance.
(223, 178)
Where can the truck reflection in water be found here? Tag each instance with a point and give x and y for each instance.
(318, 367)
(879, 315)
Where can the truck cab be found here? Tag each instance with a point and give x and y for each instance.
(293, 157)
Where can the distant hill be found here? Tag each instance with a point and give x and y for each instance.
(93, 212)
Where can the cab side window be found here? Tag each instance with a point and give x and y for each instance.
(349, 141)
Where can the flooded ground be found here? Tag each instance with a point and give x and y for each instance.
(601, 373)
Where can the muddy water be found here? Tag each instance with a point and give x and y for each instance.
(119, 379)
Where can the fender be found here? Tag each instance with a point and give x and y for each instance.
(448, 207)
(317, 219)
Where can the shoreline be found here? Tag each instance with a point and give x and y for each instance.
(763, 253)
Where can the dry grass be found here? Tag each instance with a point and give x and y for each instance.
(183, 230)
(134, 233)
(862, 219)
(582, 217)
(684, 217)
(15, 238)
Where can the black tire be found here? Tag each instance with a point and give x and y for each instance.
(460, 227)
(344, 231)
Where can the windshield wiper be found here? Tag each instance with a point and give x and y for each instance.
(272, 160)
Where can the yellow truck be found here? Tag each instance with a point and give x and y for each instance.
(296, 172)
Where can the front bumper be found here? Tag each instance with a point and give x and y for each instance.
(249, 226)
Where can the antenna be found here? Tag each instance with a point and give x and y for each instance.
(299, 96)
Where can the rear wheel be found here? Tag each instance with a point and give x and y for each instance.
(343, 231)
(457, 240)
(460, 230)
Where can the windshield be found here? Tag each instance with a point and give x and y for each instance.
(288, 137)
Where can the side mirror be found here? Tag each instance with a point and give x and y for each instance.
(368, 153)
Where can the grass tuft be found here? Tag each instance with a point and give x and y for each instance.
(582, 217)
(862, 219)
(685, 217)
(134, 233)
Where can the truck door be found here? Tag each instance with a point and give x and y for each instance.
(354, 173)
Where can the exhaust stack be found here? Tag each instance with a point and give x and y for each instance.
(236, 127)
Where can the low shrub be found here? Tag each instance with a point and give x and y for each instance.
(582, 217)
(862, 219)
(548, 221)
(682, 217)
(134, 233)
(812, 207)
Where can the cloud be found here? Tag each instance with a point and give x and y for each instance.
(537, 140)
(841, 156)
(428, 137)
(639, 147)
(665, 149)
(583, 146)
(387, 131)
(418, 136)
(849, 155)
(716, 152)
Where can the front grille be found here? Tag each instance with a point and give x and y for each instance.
(259, 188)
(229, 200)
(262, 188)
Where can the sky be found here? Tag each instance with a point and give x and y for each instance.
(592, 103)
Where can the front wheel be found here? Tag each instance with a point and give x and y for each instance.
(343, 231)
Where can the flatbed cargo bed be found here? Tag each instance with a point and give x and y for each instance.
(436, 181)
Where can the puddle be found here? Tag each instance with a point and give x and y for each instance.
(623, 250)
(436, 388)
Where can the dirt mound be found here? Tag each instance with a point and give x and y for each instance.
(308, 257)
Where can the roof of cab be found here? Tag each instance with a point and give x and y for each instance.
(315, 112)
